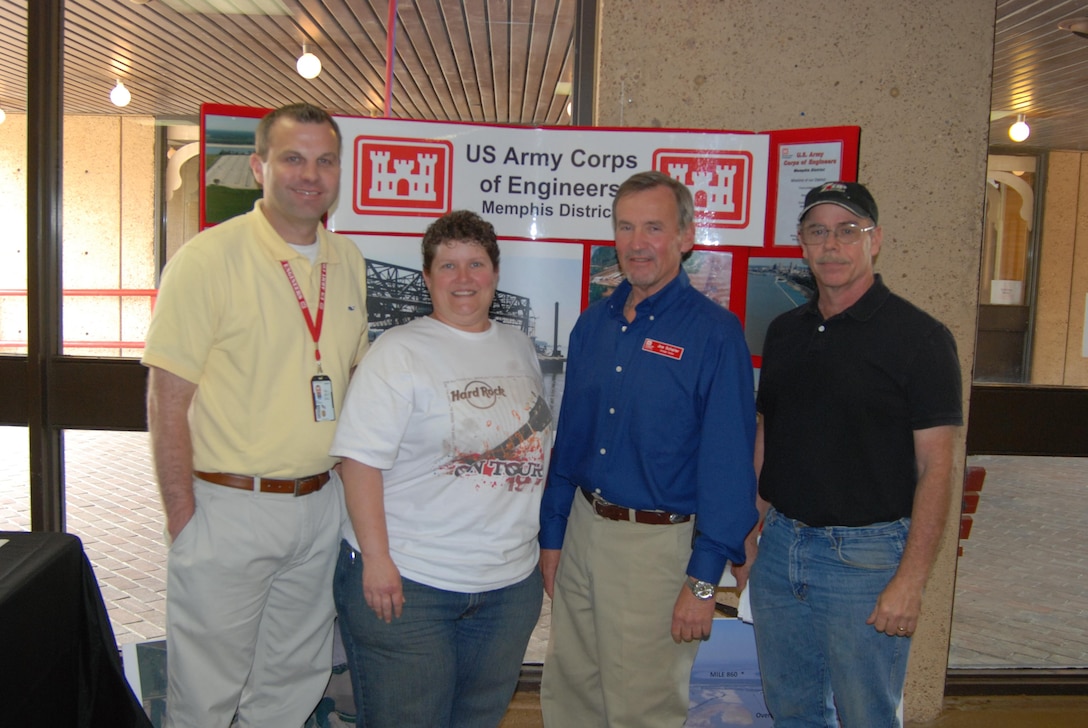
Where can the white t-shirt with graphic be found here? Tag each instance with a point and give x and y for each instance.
(458, 424)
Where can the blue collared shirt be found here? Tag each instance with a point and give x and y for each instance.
(659, 414)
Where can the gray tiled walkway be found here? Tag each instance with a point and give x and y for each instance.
(113, 507)
(1021, 593)
(1022, 582)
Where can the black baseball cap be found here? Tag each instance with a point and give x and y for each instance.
(849, 195)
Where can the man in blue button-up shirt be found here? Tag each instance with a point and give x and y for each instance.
(656, 430)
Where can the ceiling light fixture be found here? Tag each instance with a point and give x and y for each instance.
(308, 65)
(120, 95)
(3, 116)
(1019, 131)
(1076, 26)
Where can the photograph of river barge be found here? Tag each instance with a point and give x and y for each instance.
(775, 285)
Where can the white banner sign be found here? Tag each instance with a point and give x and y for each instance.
(533, 184)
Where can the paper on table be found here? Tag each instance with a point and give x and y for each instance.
(744, 606)
(728, 579)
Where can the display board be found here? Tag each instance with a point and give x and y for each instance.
(548, 192)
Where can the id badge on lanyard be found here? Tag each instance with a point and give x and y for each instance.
(320, 384)
(321, 389)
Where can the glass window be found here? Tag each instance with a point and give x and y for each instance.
(113, 506)
(14, 479)
(13, 303)
(1005, 290)
(110, 235)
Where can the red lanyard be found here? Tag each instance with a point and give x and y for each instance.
(315, 328)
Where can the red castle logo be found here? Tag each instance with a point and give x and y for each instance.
(720, 182)
(404, 177)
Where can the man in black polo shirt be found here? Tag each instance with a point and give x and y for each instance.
(859, 400)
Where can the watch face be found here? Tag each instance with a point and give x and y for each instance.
(702, 589)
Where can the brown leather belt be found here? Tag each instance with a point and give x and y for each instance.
(618, 513)
(288, 486)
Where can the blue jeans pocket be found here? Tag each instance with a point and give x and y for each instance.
(871, 551)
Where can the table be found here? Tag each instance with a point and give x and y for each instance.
(60, 664)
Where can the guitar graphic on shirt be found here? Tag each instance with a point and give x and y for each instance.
(539, 418)
(500, 460)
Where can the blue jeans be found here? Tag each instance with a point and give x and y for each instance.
(812, 590)
(451, 659)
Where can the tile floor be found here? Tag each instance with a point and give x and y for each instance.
(1022, 582)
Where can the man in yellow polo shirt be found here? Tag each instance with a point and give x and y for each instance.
(257, 326)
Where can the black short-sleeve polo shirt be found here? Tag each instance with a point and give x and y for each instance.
(841, 399)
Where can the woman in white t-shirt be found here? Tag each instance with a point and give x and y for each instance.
(444, 438)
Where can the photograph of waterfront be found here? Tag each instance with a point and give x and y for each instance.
(775, 285)
(710, 272)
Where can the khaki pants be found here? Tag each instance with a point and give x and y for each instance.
(249, 610)
(611, 661)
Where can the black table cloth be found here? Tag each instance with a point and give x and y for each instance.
(59, 664)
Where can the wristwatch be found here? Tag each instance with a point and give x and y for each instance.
(701, 589)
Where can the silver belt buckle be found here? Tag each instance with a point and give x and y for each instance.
(298, 486)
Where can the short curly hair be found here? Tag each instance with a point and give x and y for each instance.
(464, 226)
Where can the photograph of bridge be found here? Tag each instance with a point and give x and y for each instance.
(396, 294)
(540, 292)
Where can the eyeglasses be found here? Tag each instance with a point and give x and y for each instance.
(847, 233)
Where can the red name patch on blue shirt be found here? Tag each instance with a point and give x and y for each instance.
(660, 347)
